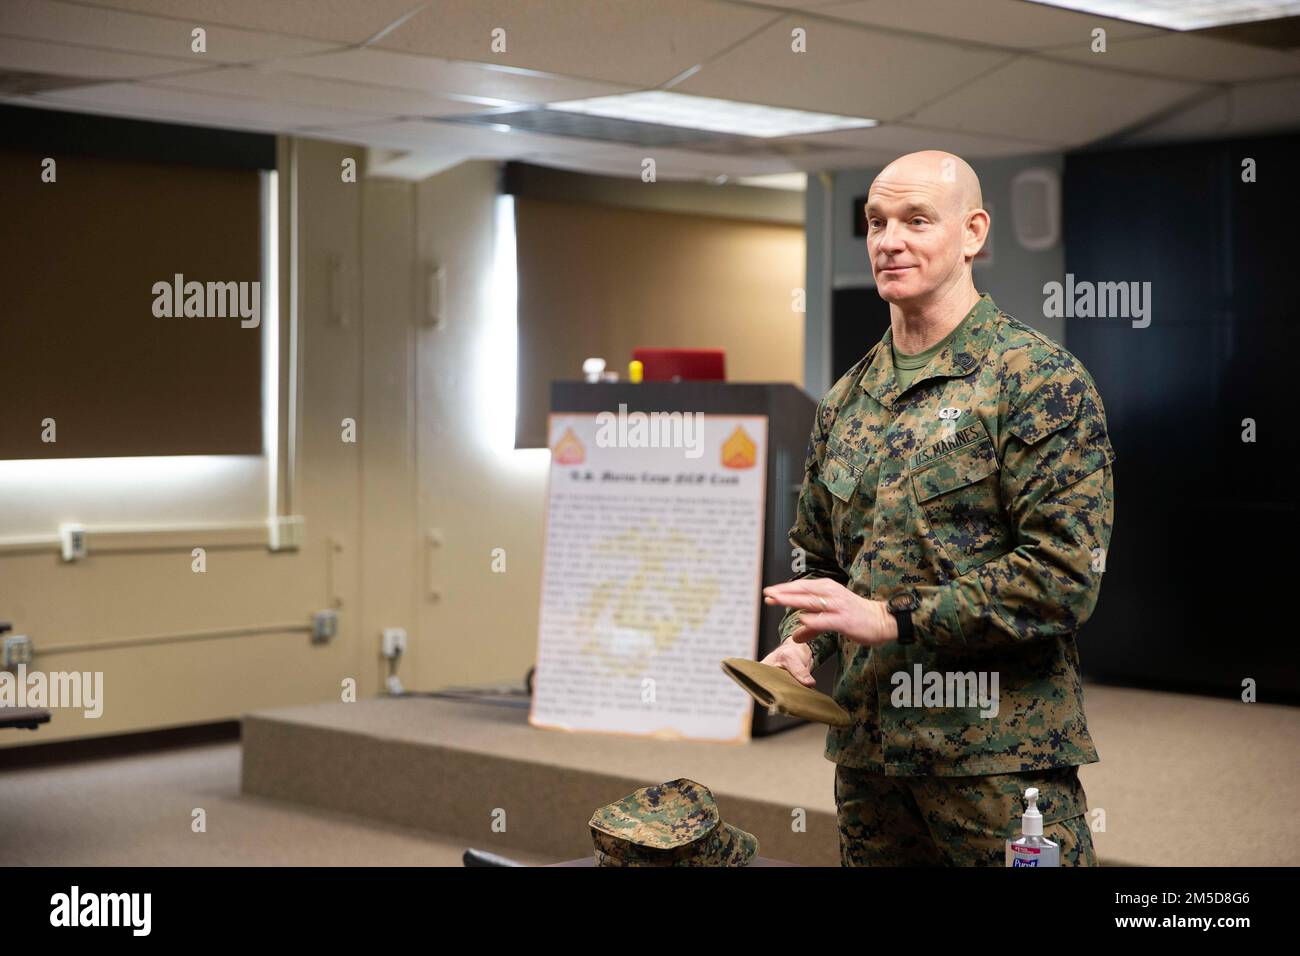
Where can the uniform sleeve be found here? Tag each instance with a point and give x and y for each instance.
(1056, 484)
(814, 535)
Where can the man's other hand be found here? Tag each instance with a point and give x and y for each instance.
(796, 658)
(826, 605)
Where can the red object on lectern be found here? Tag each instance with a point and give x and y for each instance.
(687, 365)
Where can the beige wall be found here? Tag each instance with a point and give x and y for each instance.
(400, 528)
(476, 492)
(596, 279)
(211, 646)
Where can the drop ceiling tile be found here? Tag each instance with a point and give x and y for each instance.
(484, 81)
(1003, 23)
(389, 133)
(898, 139)
(54, 102)
(155, 102)
(1182, 56)
(676, 163)
(315, 91)
(606, 166)
(484, 143)
(106, 29)
(336, 21)
(845, 159)
(472, 140)
(1045, 101)
(632, 42)
(393, 133)
(670, 169)
(1264, 106)
(597, 166)
(1237, 111)
(60, 59)
(847, 70)
(411, 166)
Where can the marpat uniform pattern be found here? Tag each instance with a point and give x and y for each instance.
(994, 514)
(669, 824)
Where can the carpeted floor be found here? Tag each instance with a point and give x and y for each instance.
(137, 811)
(1186, 780)
(1183, 780)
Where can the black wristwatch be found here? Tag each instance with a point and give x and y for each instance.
(901, 605)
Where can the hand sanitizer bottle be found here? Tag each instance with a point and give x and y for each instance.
(1031, 849)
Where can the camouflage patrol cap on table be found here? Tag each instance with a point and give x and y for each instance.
(670, 824)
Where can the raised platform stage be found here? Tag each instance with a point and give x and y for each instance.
(448, 766)
(1176, 772)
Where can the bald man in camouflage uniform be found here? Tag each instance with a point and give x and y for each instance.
(963, 470)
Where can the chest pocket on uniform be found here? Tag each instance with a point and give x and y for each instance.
(960, 499)
(842, 469)
(850, 476)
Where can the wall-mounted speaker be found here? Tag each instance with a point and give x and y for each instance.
(1036, 208)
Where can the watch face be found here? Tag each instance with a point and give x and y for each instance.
(903, 602)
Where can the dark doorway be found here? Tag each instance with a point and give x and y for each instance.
(1203, 519)
(859, 318)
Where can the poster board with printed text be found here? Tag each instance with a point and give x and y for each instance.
(651, 573)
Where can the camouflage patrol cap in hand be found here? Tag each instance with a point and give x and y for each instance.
(670, 824)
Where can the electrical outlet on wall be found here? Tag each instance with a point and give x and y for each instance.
(72, 541)
(324, 626)
(394, 642)
(17, 650)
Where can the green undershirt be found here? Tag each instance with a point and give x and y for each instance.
(906, 366)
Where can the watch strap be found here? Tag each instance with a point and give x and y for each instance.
(906, 633)
(903, 616)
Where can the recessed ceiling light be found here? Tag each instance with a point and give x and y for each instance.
(1183, 14)
(705, 113)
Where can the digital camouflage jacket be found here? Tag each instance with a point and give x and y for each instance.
(985, 488)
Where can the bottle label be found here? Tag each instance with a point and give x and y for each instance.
(1021, 854)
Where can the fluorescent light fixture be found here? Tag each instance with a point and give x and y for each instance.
(705, 113)
(1183, 14)
(795, 182)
